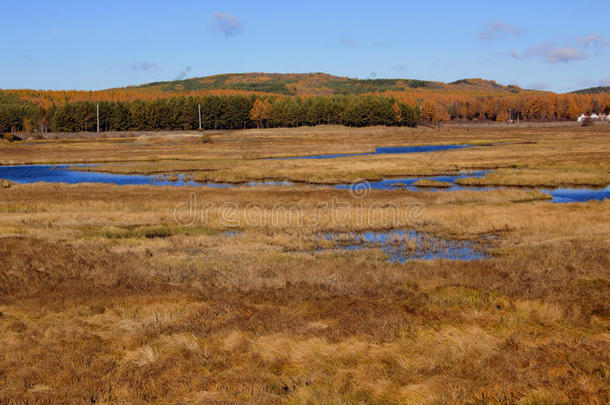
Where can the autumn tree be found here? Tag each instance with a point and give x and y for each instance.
(434, 112)
(261, 112)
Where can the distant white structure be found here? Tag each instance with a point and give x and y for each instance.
(594, 117)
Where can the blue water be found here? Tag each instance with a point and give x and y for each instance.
(63, 174)
(405, 245)
(567, 195)
(386, 150)
(407, 183)
(419, 149)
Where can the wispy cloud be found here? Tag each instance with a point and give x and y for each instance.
(228, 25)
(551, 53)
(143, 66)
(348, 42)
(554, 54)
(498, 30)
(538, 86)
(592, 83)
(182, 75)
(594, 41)
(575, 49)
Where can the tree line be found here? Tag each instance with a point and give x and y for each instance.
(19, 113)
(217, 112)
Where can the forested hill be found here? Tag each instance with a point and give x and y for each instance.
(251, 100)
(322, 84)
(594, 90)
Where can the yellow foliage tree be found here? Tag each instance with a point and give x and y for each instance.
(261, 112)
(432, 111)
(397, 112)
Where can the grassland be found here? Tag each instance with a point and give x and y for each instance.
(529, 156)
(104, 298)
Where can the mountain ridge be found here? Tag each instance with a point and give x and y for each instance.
(319, 83)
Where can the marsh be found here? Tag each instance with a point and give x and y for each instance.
(105, 296)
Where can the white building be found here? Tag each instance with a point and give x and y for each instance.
(594, 117)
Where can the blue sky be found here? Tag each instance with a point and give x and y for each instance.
(90, 44)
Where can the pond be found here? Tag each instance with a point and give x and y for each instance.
(402, 246)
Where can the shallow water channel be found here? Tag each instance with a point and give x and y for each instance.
(404, 245)
(385, 150)
(63, 174)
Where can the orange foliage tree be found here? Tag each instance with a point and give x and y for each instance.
(261, 112)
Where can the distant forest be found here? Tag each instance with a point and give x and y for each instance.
(286, 100)
(217, 112)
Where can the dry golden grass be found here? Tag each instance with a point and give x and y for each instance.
(556, 176)
(553, 155)
(424, 183)
(105, 299)
(6, 183)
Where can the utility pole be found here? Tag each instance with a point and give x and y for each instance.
(199, 116)
(97, 110)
